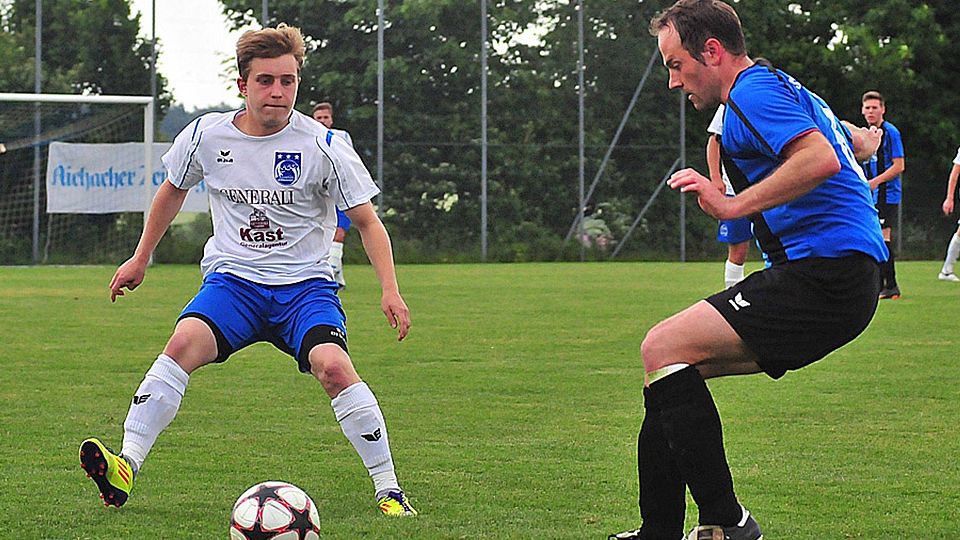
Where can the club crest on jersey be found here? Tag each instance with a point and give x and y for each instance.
(286, 168)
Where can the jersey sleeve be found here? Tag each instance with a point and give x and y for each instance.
(183, 169)
(772, 115)
(352, 184)
(956, 160)
(716, 125)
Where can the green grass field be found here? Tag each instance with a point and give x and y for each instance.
(513, 409)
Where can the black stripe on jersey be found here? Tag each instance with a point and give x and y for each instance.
(736, 109)
(333, 164)
(196, 146)
(882, 167)
(769, 242)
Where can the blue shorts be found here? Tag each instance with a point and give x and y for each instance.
(734, 231)
(241, 312)
(343, 222)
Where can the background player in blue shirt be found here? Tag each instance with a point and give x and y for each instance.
(883, 170)
(323, 113)
(793, 167)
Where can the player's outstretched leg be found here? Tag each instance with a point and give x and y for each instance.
(361, 420)
(112, 473)
(746, 529)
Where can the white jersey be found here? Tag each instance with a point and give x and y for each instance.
(716, 128)
(272, 198)
(956, 160)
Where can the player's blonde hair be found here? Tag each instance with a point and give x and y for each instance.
(269, 43)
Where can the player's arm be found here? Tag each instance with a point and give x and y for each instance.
(713, 162)
(951, 190)
(376, 243)
(808, 160)
(896, 167)
(167, 202)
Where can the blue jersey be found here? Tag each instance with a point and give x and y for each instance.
(767, 109)
(891, 146)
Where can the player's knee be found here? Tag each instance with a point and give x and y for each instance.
(187, 353)
(192, 345)
(330, 365)
(654, 349)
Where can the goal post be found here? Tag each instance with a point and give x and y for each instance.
(62, 117)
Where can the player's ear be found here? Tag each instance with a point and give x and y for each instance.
(712, 50)
(242, 86)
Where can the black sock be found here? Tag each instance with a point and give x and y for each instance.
(889, 269)
(691, 424)
(663, 498)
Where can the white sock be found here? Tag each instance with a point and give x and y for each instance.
(359, 415)
(336, 257)
(744, 516)
(732, 273)
(154, 405)
(953, 251)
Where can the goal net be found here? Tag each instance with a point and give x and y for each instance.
(64, 212)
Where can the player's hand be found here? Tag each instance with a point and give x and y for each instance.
(872, 136)
(948, 206)
(129, 276)
(397, 312)
(711, 200)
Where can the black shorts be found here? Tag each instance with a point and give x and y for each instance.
(793, 314)
(888, 214)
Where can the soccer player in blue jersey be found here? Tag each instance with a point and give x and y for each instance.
(792, 165)
(883, 171)
(323, 113)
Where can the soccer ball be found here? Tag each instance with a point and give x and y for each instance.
(274, 511)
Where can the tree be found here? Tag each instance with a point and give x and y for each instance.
(88, 47)
(838, 48)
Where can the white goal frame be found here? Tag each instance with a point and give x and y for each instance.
(148, 121)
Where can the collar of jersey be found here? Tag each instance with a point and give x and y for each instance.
(259, 137)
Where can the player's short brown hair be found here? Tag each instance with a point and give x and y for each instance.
(696, 21)
(873, 94)
(323, 105)
(269, 43)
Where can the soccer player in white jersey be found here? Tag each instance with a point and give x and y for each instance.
(323, 113)
(953, 249)
(736, 233)
(275, 177)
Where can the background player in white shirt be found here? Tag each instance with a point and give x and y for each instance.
(953, 250)
(274, 178)
(323, 113)
(736, 233)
